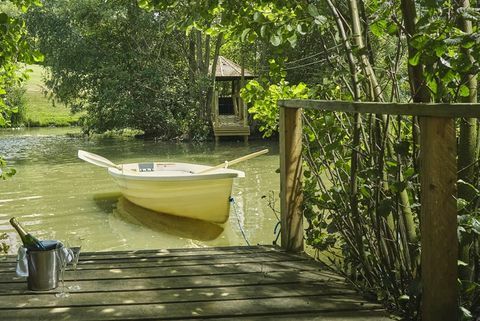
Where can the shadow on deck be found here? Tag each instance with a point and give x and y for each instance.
(244, 283)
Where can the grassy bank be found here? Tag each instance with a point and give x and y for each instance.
(40, 111)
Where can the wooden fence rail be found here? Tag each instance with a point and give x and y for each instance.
(438, 176)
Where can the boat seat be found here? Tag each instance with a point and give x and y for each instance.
(146, 167)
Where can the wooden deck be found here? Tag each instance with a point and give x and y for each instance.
(231, 283)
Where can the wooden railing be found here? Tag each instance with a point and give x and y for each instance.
(438, 177)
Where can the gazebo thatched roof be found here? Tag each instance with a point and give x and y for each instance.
(228, 70)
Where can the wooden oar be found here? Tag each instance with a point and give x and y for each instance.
(97, 160)
(235, 161)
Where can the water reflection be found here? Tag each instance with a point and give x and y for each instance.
(119, 206)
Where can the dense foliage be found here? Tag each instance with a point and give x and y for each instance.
(15, 48)
(117, 63)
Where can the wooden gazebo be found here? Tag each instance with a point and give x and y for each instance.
(229, 113)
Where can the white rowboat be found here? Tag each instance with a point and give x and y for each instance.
(182, 189)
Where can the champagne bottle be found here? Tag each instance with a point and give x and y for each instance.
(30, 242)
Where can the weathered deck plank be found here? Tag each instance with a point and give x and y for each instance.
(187, 310)
(244, 283)
(152, 261)
(186, 282)
(160, 295)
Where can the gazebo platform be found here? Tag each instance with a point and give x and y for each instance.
(230, 125)
(226, 283)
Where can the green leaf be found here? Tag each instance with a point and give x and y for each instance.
(144, 4)
(320, 20)
(445, 62)
(468, 42)
(461, 181)
(392, 29)
(38, 56)
(419, 41)
(448, 76)
(415, 59)
(3, 17)
(409, 172)
(440, 50)
(404, 298)
(12, 172)
(378, 28)
(312, 10)
(466, 313)
(464, 91)
(432, 85)
(210, 31)
(300, 30)
(461, 263)
(454, 41)
(252, 36)
(293, 40)
(275, 40)
(364, 191)
(461, 204)
(263, 30)
(244, 34)
(476, 226)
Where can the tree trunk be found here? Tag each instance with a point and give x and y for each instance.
(199, 45)
(406, 211)
(418, 89)
(192, 63)
(356, 142)
(211, 88)
(207, 55)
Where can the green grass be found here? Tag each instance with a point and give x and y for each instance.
(40, 111)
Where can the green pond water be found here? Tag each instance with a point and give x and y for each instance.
(55, 195)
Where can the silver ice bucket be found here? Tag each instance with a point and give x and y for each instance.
(43, 269)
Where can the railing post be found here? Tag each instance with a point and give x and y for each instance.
(290, 179)
(438, 177)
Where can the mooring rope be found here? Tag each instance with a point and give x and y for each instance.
(232, 200)
(276, 232)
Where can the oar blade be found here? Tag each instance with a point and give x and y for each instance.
(95, 159)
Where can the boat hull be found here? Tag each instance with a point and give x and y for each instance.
(204, 197)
